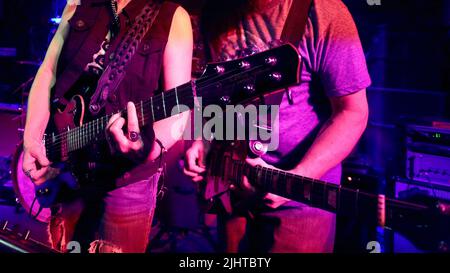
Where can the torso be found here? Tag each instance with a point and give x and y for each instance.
(298, 123)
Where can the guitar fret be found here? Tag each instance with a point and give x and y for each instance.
(84, 136)
(306, 190)
(72, 144)
(151, 106)
(332, 199)
(288, 183)
(164, 104)
(338, 206)
(78, 138)
(142, 113)
(324, 194)
(357, 202)
(258, 178)
(176, 98)
(68, 141)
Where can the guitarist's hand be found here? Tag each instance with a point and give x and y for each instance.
(193, 165)
(122, 142)
(35, 164)
(270, 199)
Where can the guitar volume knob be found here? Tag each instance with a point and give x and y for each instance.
(258, 148)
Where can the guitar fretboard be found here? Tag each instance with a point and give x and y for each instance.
(156, 108)
(316, 193)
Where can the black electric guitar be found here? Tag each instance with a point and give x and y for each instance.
(226, 165)
(232, 82)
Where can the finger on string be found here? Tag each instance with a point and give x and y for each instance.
(132, 123)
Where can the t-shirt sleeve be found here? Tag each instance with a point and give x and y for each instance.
(341, 62)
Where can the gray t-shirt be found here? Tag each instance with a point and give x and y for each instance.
(333, 65)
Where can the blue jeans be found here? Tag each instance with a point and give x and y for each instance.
(116, 221)
(291, 228)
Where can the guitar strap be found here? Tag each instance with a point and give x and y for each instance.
(293, 31)
(115, 71)
(295, 24)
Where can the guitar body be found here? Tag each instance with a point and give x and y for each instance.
(223, 173)
(226, 166)
(50, 192)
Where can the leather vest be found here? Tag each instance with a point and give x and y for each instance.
(88, 28)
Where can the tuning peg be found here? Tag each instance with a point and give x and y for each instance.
(271, 60)
(244, 64)
(219, 69)
(225, 99)
(249, 88)
(275, 76)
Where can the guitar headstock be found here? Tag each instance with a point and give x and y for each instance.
(245, 79)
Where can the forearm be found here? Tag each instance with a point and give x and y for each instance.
(168, 132)
(39, 99)
(335, 141)
(177, 63)
(38, 107)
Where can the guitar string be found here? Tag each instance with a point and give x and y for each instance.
(158, 98)
(199, 82)
(80, 129)
(81, 140)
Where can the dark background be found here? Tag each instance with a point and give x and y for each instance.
(407, 48)
(406, 43)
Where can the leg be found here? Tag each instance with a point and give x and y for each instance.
(293, 228)
(127, 220)
(231, 231)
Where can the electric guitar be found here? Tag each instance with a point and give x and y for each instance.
(225, 83)
(226, 165)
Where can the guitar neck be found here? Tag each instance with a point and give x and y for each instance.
(225, 83)
(320, 194)
(156, 108)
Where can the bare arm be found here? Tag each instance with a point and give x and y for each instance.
(337, 137)
(177, 65)
(35, 163)
(176, 71)
(335, 140)
(39, 98)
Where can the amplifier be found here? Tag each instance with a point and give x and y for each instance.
(409, 189)
(428, 154)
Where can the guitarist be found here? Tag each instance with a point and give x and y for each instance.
(101, 218)
(320, 120)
